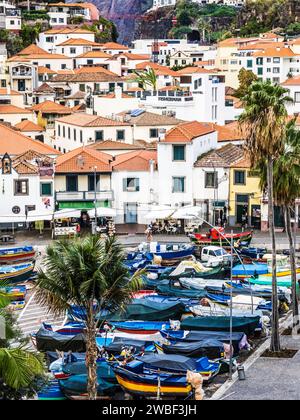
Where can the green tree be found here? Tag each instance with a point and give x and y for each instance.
(146, 79)
(246, 78)
(89, 273)
(19, 367)
(30, 34)
(263, 125)
(286, 190)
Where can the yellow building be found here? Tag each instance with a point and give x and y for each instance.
(244, 195)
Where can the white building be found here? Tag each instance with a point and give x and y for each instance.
(50, 39)
(61, 13)
(293, 85)
(10, 17)
(177, 153)
(80, 129)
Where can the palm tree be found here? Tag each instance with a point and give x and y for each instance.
(286, 173)
(18, 366)
(89, 273)
(146, 79)
(263, 124)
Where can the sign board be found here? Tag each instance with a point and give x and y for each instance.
(65, 231)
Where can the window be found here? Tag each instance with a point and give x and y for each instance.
(64, 131)
(297, 97)
(63, 66)
(21, 187)
(61, 20)
(81, 137)
(72, 183)
(153, 132)
(214, 112)
(99, 135)
(72, 50)
(239, 177)
(6, 165)
(58, 127)
(74, 134)
(82, 87)
(211, 179)
(131, 184)
(259, 71)
(130, 212)
(259, 61)
(3, 83)
(69, 133)
(178, 185)
(120, 135)
(91, 182)
(46, 188)
(249, 63)
(179, 153)
(276, 60)
(276, 70)
(269, 70)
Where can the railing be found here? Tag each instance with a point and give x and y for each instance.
(84, 195)
(22, 73)
(13, 12)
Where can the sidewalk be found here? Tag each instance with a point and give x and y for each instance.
(269, 378)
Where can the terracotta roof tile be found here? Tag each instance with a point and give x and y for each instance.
(95, 54)
(6, 92)
(11, 109)
(114, 46)
(44, 88)
(113, 145)
(68, 31)
(86, 120)
(25, 168)
(134, 161)
(14, 143)
(222, 157)
(79, 42)
(28, 126)
(83, 160)
(186, 132)
(292, 81)
(45, 70)
(49, 107)
(274, 52)
(151, 119)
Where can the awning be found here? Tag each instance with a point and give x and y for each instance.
(37, 215)
(103, 212)
(13, 219)
(67, 214)
(159, 212)
(188, 213)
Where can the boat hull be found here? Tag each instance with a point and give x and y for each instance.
(22, 273)
(238, 238)
(12, 255)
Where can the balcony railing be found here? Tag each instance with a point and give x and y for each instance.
(84, 195)
(22, 73)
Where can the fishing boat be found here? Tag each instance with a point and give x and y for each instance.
(246, 324)
(217, 236)
(136, 346)
(176, 288)
(211, 348)
(139, 327)
(146, 310)
(51, 392)
(194, 269)
(17, 273)
(179, 364)
(170, 253)
(219, 306)
(17, 305)
(16, 254)
(252, 253)
(76, 386)
(16, 293)
(266, 280)
(46, 340)
(238, 339)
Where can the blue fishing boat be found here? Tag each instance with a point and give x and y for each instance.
(17, 273)
(248, 270)
(16, 254)
(239, 339)
(104, 370)
(176, 288)
(76, 386)
(51, 392)
(51, 341)
(252, 253)
(136, 346)
(169, 253)
(211, 348)
(140, 327)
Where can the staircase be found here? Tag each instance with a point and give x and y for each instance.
(34, 314)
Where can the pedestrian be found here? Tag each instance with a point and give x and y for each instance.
(149, 231)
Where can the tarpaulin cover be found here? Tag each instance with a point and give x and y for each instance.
(168, 362)
(52, 341)
(211, 348)
(119, 342)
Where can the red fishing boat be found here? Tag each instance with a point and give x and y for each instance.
(217, 236)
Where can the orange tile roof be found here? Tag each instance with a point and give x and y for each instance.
(274, 52)
(95, 54)
(148, 64)
(228, 132)
(292, 81)
(261, 45)
(133, 57)
(113, 145)
(86, 120)
(28, 126)
(186, 132)
(93, 69)
(114, 46)
(242, 163)
(79, 42)
(49, 107)
(11, 109)
(192, 70)
(45, 70)
(14, 143)
(83, 160)
(134, 161)
(68, 31)
(112, 95)
(32, 49)
(5, 92)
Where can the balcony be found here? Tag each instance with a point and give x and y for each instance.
(22, 73)
(84, 196)
(174, 98)
(13, 12)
